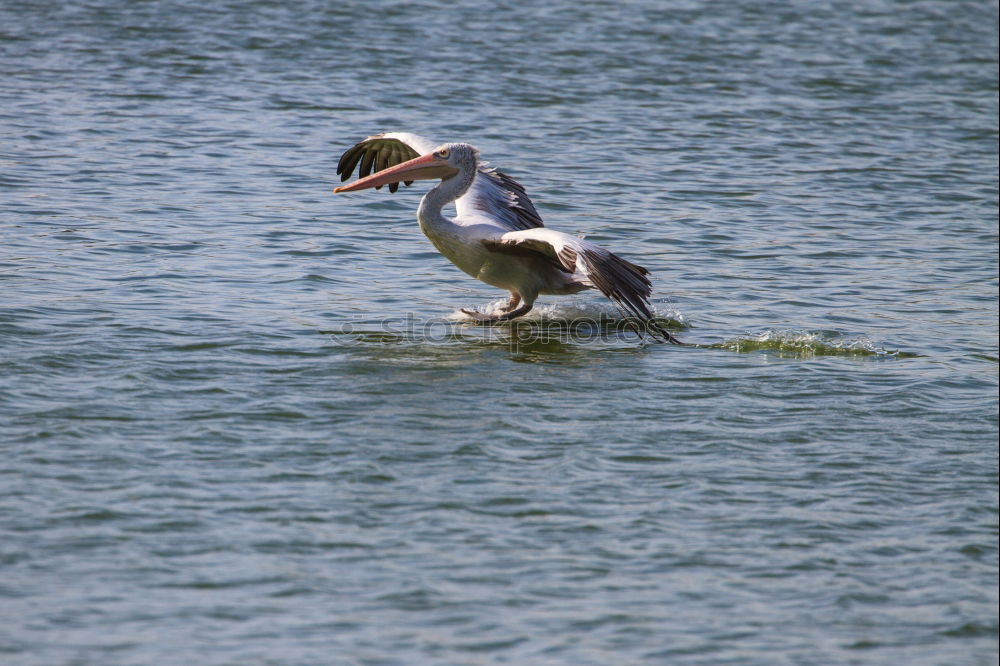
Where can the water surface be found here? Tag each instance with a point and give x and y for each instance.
(243, 421)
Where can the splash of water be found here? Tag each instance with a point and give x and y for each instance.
(804, 344)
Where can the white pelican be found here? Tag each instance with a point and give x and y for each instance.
(496, 235)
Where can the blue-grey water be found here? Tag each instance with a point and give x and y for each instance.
(243, 422)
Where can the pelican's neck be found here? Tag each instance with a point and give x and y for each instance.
(429, 212)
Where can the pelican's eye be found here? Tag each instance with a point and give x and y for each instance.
(443, 153)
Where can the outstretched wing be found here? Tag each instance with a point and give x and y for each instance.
(381, 152)
(625, 283)
(492, 193)
(501, 198)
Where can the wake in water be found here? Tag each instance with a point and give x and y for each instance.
(581, 320)
(805, 344)
(572, 322)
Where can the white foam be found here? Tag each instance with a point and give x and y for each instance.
(808, 343)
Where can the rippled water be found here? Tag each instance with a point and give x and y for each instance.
(244, 422)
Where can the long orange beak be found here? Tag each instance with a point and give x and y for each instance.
(425, 167)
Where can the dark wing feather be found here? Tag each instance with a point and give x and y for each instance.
(395, 157)
(367, 161)
(502, 198)
(628, 287)
(375, 154)
(620, 280)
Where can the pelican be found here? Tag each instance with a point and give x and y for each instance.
(497, 235)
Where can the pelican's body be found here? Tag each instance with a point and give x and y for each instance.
(496, 235)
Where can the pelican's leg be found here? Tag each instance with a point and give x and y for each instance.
(515, 299)
(507, 316)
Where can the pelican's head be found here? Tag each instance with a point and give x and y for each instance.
(443, 162)
(461, 156)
